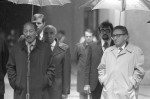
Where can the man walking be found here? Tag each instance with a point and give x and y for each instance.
(80, 56)
(29, 66)
(95, 53)
(121, 67)
(61, 59)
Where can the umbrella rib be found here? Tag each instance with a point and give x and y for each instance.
(40, 2)
(60, 2)
(98, 3)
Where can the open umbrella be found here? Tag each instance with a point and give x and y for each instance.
(41, 2)
(37, 3)
(120, 5)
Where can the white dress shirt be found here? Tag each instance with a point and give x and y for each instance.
(53, 45)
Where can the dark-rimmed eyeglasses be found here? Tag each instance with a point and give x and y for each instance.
(116, 36)
(105, 30)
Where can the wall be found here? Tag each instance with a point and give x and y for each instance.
(139, 29)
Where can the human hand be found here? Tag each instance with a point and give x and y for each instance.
(87, 89)
(64, 96)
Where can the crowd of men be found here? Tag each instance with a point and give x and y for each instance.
(39, 64)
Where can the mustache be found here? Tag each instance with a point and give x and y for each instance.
(105, 37)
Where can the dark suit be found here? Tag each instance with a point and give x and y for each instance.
(61, 60)
(95, 53)
(3, 60)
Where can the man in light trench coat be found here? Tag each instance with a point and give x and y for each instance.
(121, 67)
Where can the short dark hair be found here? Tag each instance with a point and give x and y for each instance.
(122, 28)
(31, 23)
(105, 24)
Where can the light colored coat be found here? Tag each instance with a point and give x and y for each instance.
(121, 73)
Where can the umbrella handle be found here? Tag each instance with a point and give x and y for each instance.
(32, 12)
(120, 18)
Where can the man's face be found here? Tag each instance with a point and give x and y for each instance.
(105, 33)
(88, 37)
(49, 35)
(29, 33)
(39, 23)
(119, 37)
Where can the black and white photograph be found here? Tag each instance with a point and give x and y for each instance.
(74, 49)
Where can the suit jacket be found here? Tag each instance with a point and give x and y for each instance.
(41, 70)
(80, 55)
(61, 60)
(95, 53)
(124, 72)
(4, 53)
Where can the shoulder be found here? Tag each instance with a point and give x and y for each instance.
(63, 46)
(134, 48)
(79, 45)
(109, 49)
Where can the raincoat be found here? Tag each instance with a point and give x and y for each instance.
(121, 73)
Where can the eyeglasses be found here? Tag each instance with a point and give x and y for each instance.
(38, 23)
(105, 30)
(116, 36)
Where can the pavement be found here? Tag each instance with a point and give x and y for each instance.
(144, 90)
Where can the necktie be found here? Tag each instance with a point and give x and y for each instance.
(120, 49)
(105, 45)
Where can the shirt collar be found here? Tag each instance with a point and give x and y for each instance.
(33, 43)
(102, 42)
(54, 43)
(123, 46)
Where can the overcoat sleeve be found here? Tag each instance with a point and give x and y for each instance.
(66, 72)
(50, 73)
(138, 69)
(5, 55)
(11, 68)
(102, 69)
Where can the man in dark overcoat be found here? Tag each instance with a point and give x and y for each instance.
(29, 66)
(61, 59)
(4, 53)
(80, 55)
(95, 52)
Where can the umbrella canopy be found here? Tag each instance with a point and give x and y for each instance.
(122, 5)
(41, 2)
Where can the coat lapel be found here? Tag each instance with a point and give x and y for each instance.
(99, 48)
(56, 49)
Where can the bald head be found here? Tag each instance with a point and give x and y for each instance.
(49, 33)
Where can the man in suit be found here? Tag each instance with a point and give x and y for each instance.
(121, 68)
(39, 20)
(29, 67)
(61, 59)
(4, 53)
(80, 55)
(95, 52)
